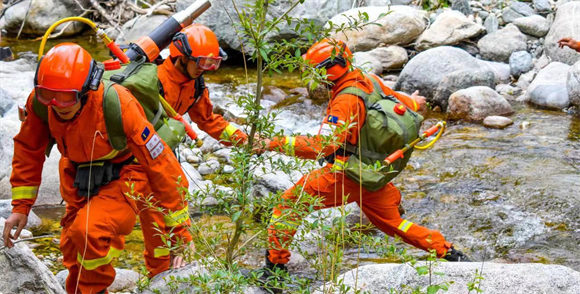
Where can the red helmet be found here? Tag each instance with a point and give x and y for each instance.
(198, 43)
(65, 74)
(333, 55)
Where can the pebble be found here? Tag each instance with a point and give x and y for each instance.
(193, 159)
(525, 125)
(497, 122)
(228, 169)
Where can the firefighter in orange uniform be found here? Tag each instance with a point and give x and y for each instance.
(95, 179)
(329, 182)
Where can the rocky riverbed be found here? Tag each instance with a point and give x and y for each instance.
(502, 183)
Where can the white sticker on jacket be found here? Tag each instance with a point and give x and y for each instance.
(157, 150)
(153, 142)
(325, 129)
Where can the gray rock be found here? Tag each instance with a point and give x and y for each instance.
(542, 6)
(500, 69)
(6, 102)
(138, 27)
(161, 282)
(426, 70)
(548, 89)
(573, 84)
(401, 26)
(224, 154)
(498, 46)
(491, 23)
(516, 10)
(526, 79)
(476, 103)
(193, 159)
(520, 62)
(461, 79)
(125, 280)
(497, 122)
(210, 145)
(228, 169)
(209, 167)
(391, 58)
(461, 6)
(497, 278)
(191, 173)
(274, 94)
(367, 63)
(6, 210)
(22, 272)
(565, 24)
(534, 25)
(449, 28)
(508, 91)
(41, 15)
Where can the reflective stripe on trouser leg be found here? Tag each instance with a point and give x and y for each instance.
(176, 218)
(91, 264)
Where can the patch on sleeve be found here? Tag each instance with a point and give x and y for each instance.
(332, 119)
(325, 130)
(145, 134)
(155, 146)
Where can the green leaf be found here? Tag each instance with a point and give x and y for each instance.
(422, 270)
(263, 54)
(236, 216)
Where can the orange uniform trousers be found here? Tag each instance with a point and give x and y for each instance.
(381, 208)
(94, 230)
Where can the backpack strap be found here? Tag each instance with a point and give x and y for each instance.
(133, 67)
(113, 117)
(199, 88)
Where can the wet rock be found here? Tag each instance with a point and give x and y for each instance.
(41, 15)
(426, 70)
(491, 23)
(461, 79)
(6, 210)
(516, 10)
(548, 89)
(299, 91)
(125, 280)
(498, 46)
(6, 54)
(542, 6)
(138, 27)
(319, 94)
(497, 122)
(209, 167)
(520, 62)
(391, 58)
(573, 84)
(534, 25)
(367, 62)
(274, 94)
(565, 24)
(449, 28)
(476, 103)
(461, 6)
(508, 91)
(401, 26)
(497, 278)
(6, 102)
(22, 272)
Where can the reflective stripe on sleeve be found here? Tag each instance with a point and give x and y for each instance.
(228, 132)
(91, 264)
(290, 144)
(338, 165)
(283, 225)
(24, 192)
(405, 225)
(176, 218)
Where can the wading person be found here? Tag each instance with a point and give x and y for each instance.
(351, 107)
(96, 181)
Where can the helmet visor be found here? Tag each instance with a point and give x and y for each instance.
(209, 63)
(57, 97)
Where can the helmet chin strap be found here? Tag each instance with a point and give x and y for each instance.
(183, 66)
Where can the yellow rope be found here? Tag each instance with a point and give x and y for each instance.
(56, 24)
(430, 144)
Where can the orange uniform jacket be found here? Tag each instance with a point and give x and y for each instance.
(342, 109)
(83, 139)
(179, 91)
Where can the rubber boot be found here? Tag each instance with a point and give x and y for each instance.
(456, 256)
(272, 276)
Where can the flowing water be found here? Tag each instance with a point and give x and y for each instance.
(509, 195)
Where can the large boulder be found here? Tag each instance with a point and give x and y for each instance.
(548, 89)
(217, 17)
(391, 57)
(426, 70)
(565, 24)
(400, 26)
(40, 15)
(477, 103)
(499, 45)
(497, 278)
(22, 272)
(516, 10)
(450, 27)
(573, 84)
(138, 27)
(367, 62)
(461, 79)
(534, 25)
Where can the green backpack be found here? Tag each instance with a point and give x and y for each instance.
(140, 78)
(383, 133)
